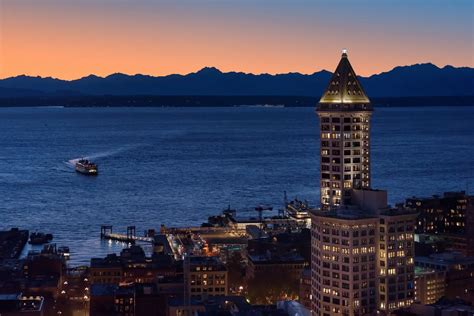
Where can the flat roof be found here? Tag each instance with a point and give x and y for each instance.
(264, 259)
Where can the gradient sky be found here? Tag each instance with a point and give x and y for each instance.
(70, 39)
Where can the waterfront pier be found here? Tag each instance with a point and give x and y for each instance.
(130, 237)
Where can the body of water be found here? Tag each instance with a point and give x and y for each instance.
(177, 166)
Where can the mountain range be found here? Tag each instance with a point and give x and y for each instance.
(404, 81)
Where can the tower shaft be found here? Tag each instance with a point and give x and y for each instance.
(344, 112)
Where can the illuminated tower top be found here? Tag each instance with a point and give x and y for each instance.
(344, 87)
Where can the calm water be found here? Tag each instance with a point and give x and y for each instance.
(177, 166)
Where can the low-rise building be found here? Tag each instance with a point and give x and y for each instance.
(44, 272)
(271, 277)
(459, 271)
(106, 270)
(448, 218)
(440, 214)
(132, 266)
(138, 299)
(429, 285)
(205, 277)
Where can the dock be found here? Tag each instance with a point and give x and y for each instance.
(130, 237)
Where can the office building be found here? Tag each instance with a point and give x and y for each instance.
(362, 250)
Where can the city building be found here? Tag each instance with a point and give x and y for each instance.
(136, 299)
(396, 264)
(440, 214)
(362, 250)
(106, 270)
(429, 285)
(204, 277)
(344, 111)
(132, 266)
(344, 265)
(459, 273)
(445, 220)
(44, 272)
(263, 287)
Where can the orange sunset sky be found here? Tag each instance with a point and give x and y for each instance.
(70, 39)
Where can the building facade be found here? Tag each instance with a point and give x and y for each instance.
(396, 264)
(430, 285)
(344, 111)
(344, 273)
(444, 214)
(446, 219)
(205, 277)
(362, 250)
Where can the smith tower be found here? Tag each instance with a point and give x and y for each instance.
(362, 250)
(344, 111)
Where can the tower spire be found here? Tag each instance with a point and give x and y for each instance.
(344, 111)
(344, 86)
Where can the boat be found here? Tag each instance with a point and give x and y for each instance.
(87, 167)
(40, 238)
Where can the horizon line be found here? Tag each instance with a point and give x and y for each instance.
(225, 72)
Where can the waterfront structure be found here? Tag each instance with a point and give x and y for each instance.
(362, 250)
(344, 111)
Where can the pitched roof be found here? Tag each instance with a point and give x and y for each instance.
(344, 87)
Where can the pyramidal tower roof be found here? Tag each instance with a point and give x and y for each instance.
(344, 87)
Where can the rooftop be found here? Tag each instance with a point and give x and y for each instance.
(206, 261)
(347, 212)
(446, 259)
(275, 259)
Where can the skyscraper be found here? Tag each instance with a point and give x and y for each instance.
(344, 111)
(362, 250)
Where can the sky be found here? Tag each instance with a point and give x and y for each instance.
(70, 39)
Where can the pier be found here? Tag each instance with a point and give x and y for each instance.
(130, 237)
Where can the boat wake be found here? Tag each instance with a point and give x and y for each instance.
(72, 162)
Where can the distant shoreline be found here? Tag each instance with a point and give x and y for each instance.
(218, 101)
